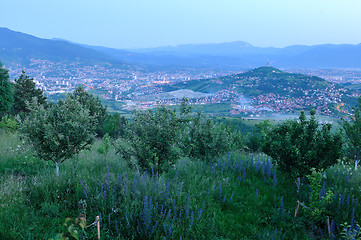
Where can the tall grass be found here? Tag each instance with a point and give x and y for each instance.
(238, 196)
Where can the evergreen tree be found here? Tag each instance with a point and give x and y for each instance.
(6, 91)
(24, 91)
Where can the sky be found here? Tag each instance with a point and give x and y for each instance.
(126, 24)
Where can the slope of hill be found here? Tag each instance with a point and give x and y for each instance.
(268, 89)
(17, 47)
(263, 80)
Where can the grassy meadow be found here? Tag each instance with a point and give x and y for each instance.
(237, 196)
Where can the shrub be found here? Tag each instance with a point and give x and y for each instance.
(151, 139)
(114, 125)
(9, 124)
(203, 139)
(300, 145)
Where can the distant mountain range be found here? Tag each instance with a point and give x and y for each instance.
(18, 47)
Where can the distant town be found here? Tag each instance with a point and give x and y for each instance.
(139, 89)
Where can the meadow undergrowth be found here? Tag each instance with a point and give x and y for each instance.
(237, 196)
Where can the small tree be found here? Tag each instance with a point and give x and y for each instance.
(202, 139)
(300, 145)
(6, 91)
(58, 131)
(95, 107)
(352, 131)
(151, 139)
(24, 91)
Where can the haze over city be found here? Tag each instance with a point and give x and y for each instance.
(142, 23)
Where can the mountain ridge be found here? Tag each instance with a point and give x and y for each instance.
(20, 47)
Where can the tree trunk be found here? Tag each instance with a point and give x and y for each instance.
(57, 169)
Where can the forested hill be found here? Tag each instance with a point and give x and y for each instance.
(262, 80)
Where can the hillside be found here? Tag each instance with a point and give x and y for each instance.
(20, 48)
(268, 88)
(263, 80)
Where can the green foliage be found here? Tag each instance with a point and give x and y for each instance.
(96, 109)
(34, 202)
(318, 204)
(156, 138)
(202, 139)
(352, 131)
(151, 139)
(9, 124)
(58, 131)
(300, 145)
(114, 125)
(73, 229)
(6, 91)
(349, 232)
(104, 147)
(24, 91)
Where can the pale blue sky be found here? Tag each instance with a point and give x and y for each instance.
(150, 23)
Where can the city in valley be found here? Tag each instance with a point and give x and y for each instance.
(136, 88)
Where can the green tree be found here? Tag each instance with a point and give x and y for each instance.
(58, 131)
(300, 145)
(202, 139)
(114, 125)
(95, 107)
(151, 139)
(352, 131)
(6, 91)
(24, 91)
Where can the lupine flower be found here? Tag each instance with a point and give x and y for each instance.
(244, 171)
(230, 199)
(126, 218)
(116, 227)
(274, 180)
(298, 184)
(220, 189)
(191, 221)
(332, 228)
(187, 207)
(108, 176)
(352, 217)
(201, 211)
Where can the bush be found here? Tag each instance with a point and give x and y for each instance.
(300, 145)
(114, 125)
(151, 139)
(9, 124)
(203, 139)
